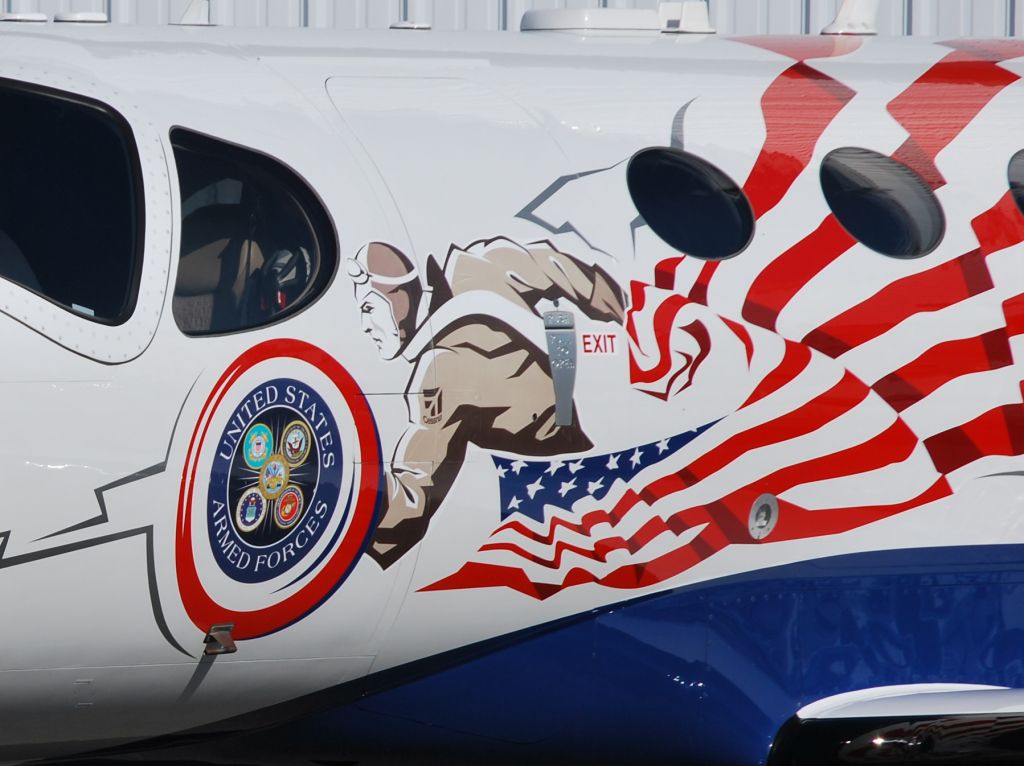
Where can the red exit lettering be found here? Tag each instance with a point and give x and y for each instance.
(600, 343)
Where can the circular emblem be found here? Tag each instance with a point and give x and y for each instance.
(296, 442)
(251, 509)
(258, 544)
(259, 443)
(282, 481)
(274, 477)
(289, 508)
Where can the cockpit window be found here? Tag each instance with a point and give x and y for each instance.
(71, 212)
(256, 243)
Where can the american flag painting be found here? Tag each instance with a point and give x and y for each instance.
(641, 516)
(527, 488)
(555, 510)
(853, 416)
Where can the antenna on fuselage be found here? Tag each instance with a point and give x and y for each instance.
(855, 17)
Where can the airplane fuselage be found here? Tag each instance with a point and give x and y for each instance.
(573, 396)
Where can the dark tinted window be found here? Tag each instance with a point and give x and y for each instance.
(689, 203)
(70, 201)
(882, 203)
(256, 243)
(1015, 174)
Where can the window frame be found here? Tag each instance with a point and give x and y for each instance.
(324, 231)
(138, 196)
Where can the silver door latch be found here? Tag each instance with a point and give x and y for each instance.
(560, 329)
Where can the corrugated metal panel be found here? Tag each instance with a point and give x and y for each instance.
(981, 18)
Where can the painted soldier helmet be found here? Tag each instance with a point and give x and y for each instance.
(385, 270)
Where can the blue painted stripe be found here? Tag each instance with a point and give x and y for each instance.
(704, 674)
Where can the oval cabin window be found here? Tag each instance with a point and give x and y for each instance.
(882, 203)
(257, 245)
(1015, 175)
(689, 203)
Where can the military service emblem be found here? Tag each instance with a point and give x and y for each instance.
(251, 509)
(270, 499)
(259, 443)
(296, 442)
(289, 508)
(274, 477)
(292, 478)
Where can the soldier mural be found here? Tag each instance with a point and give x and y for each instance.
(476, 378)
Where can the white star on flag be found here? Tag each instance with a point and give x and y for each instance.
(534, 488)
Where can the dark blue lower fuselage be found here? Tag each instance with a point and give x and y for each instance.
(708, 673)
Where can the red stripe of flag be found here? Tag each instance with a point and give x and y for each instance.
(933, 110)
(1000, 431)
(937, 288)
(1013, 311)
(664, 315)
(941, 103)
(784, 277)
(824, 408)
(797, 107)
(1000, 226)
(942, 363)
(820, 411)
(801, 47)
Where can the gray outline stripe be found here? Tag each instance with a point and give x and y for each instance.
(147, 532)
(102, 518)
(145, 473)
(528, 213)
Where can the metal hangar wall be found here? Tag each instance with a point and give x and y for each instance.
(980, 18)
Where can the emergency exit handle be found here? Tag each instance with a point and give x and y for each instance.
(560, 330)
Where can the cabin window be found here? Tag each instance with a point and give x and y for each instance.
(689, 203)
(256, 243)
(1015, 173)
(881, 202)
(71, 211)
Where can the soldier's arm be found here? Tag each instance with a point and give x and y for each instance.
(541, 270)
(424, 467)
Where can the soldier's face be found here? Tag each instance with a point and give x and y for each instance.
(378, 321)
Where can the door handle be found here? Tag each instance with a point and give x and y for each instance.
(560, 330)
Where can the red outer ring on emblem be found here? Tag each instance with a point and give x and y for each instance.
(201, 608)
